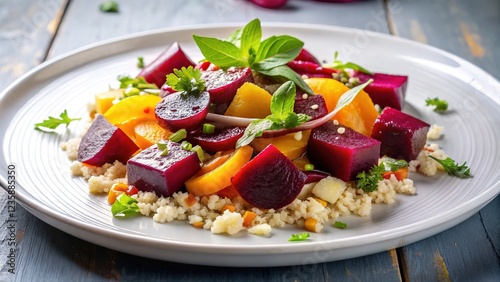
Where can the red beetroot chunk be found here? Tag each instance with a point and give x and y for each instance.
(386, 90)
(402, 135)
(222, 85)
(164, 175)
(344, 155)
(105, 143)
(220, 140)
(313, 106)
(270, 180)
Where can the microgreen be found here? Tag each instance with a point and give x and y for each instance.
(125, 206)
(282, 115)
(299, 237)
(339, 65)
(109, 6)
(140, 62)
(440, 105)
(368, 181)
(187, 80)
(245, 48)
(140, 83)
(53, 123)
(340, 224)
(453, 168)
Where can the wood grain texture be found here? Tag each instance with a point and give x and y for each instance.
(469, 29)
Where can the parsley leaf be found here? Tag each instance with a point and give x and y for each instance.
(453, 169)
(109, 6)
(125, 206)
(187, 80)
(368, 181)
(282, 115)
(339, 65)
(140, 62)
(440, 105)
(53, 123)
(299, 237)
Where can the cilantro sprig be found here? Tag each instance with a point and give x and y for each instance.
(299, 237)
(244, 48)
(125, 206)
(53, 123)
(187, 80)
(339, 65)
(453, 168)
(282, 115)
(440, 105)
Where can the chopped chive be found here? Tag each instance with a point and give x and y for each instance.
(186, 145)
(309, 167)
(164, 152)
(199, 151)
(131, 91)
(178, 135)
(208, 128)
(161, 145)
(340, 224)
(146, 86)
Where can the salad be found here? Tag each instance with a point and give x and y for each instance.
(258, 135)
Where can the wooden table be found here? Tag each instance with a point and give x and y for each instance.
(34, 31)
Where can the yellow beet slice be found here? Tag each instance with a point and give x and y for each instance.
(292, 145)
(104, 101)
(359, 115)
(250, 101)
(148, 132)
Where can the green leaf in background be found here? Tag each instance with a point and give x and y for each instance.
(221, 53)
(235, 37)
(109, 6)
(339, 65)
(277, 51)
(250, 38)
(286, 72)
(125, 206)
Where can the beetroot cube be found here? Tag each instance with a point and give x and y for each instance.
(402, 135)
(342, 151)
(164, 174)
(105, 143)
(313, 106)
(386, 90)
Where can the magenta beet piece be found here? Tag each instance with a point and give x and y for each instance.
(343, 155)
(220, 140)
(315, 176)
(386, 90)
(310, 69)
(270, 4)
(166, 90)
(306, 56)
(105, 143)
(177, 111)
(402, 135)
(270, 180)
(172, 58)
(222, 85)
(314, 106)
(164, 175)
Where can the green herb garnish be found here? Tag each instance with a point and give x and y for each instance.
(308, 167)
(53, 123)
(452, 167)
(208, 128)
(109, 6)
(391, 164)
(187, 80)
(134, 86)
(162, 146)
(140, 62)
(339, 65)
(244, 48)
(440, 105)
(282, 115)
(199, 151)
(185, 145)
(340, 224)
(178, 135)
(125, 206)
(299, 237)
(368, 181)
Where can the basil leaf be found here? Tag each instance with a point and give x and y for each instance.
(250, 38)
(221, 53)
(283, 100)
(347, 97)
(125, 206)
(235, 37)
(276, 51)
(288, 73)
(254, 129)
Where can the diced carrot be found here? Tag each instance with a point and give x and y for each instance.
(228, 207)
(198, 224)
(400, 174)
(248, 217)
(321, 201)
(190, 200)
(312, 225)
(116, 190)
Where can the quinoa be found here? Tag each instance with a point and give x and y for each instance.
(434, 132)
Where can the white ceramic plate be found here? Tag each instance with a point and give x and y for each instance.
(46, 189)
